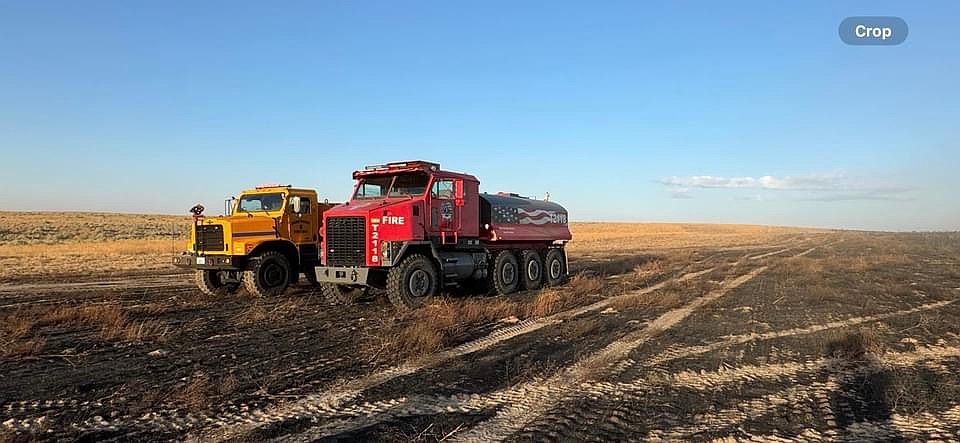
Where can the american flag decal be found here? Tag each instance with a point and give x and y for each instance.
(511, 215)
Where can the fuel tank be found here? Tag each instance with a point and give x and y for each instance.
(510, 217)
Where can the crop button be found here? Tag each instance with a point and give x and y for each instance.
(873, 31)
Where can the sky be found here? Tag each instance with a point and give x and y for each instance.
(721, 112)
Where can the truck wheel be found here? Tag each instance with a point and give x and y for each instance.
(413, 282)
(267, 275)
(531, 268)
(341, 294)
(555, 267)
(505, 275)
(210, 283)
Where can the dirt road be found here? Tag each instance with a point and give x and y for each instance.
(844, 336)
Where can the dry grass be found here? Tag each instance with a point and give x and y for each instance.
(44, 244)
(552, 300)
(647, 270)
(659, 299)
(195, 394)
(13, 344)
(444, 321)
(855, 345)
(31, 228)
(108, 320)
(45, 261)
(802, 267)
(431, 328)
(258, 312)
(606, 237)
(201, 392)
(149, 310)
(864, 263)
(16, 349)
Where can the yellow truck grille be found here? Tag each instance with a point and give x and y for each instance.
(209, 238)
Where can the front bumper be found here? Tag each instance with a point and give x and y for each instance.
(194, 261)
(343, 275)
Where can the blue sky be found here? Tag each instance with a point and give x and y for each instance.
(748, 112)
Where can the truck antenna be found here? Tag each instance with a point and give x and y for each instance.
(546, 197)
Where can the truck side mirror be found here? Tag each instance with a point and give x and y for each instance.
(295, 203)
(458, 192)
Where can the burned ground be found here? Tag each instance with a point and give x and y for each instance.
(793, 334)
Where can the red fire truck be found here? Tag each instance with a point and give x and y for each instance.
(413, 228)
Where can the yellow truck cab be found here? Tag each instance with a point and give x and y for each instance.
(270, 235)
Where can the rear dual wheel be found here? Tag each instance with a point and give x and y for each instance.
(504, 276)
(510, 273)
(531, 268)
(555, 267)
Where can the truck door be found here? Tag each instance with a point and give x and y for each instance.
(444, 213)
(303, 225)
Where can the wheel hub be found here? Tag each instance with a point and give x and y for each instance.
(533, 270)
(272, 275)
(419, 283)
(509, 273)
(555, 267)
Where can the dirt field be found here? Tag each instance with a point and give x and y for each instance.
(677, 332)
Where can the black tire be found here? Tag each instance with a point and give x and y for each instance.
(555, 267)
(531, 269)
(341, 294)
(413, 282)
(504, 277)
(210, 283)
(268, 274)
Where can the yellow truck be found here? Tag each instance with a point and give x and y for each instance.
(269, 236)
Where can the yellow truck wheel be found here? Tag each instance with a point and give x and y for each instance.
(210, 283)
(267, 275)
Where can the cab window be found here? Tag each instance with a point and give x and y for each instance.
(373, 187)
(304, 205)
(260, 202)
(442, 189)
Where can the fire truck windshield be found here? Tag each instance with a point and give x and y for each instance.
(396, 185)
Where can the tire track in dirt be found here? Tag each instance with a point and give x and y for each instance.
(178, 420)
(723, 377)
(925, 426)
(531, 405)
(620, 417)
(240, 420)
(333, 399)
(13, 296)
(768, 254)
(840, 375)
(161, 281)
(518, 414)
(363, 415)
(689, 351)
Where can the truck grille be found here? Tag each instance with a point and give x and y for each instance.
(209, 238)
(346, 241)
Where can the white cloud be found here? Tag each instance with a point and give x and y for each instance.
(834, 186)
(809, 182)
